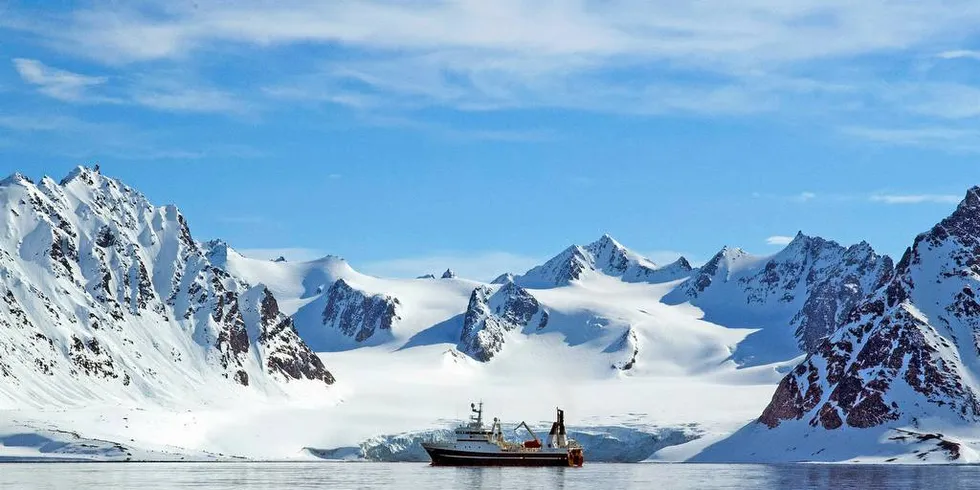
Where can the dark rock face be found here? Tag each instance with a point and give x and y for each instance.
(628, 344)
(490, 315)
(449, 274)
(286, 355)
(357, 315)
(832, 297)
(908, 351)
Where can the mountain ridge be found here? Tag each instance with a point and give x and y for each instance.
(90, 268)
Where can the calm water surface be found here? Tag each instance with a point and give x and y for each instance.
(294, 476)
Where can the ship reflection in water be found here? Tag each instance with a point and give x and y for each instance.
(476, 445)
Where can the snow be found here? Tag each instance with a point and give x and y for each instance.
(658, 363)
(682, 383)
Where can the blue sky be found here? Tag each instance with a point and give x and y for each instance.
(486, 136)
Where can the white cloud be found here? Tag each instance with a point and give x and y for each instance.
(481, 266)
(476, 55)
(56, 83)
(459, 134)
(173, 99)
(950, 139)
(165, 91)
(941, 100)
(294, 254)
(779, 240)
(960, 54)
(915, 198)
(33, 122)
(804, 196)
(716, 31)
(640, 57)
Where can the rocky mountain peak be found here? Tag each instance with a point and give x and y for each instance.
(605, 242)
(16, 178)
(83, 174)
(811, 285)
(963, 223)
(905, 353)
(503, 278)
(359, 315)
(449, 274)
(605, 256)
(491, 314)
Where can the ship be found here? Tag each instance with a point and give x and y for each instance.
(475, 444)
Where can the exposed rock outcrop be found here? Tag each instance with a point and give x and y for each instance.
(491, 314)
(357, 314)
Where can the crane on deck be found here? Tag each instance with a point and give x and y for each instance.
(536, 443)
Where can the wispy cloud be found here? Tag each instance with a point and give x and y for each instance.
(162, 91)
(34, 122)
(459, 133)
(59, 84)
(483, 266)
(627, 56)
(751, 32)
(779, 240)
(81, 139)
(174, 99)
(949, 139)
(805, 196)
(960, 54)
(800, 197)
(940, 100)
(709, 58)
(915, 198)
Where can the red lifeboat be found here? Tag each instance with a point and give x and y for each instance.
(535, 444)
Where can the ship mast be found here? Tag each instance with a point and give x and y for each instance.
(478, 418)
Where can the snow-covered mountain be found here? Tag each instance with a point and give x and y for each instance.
(904, 366)
(798, 296)
(105, 296)
(336, 308)
(106, 299)
(911, 351)
(606, 256)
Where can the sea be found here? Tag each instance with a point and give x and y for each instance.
(596, 476)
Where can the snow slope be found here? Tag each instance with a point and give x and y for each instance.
(797, 296)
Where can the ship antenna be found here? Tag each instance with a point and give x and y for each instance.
(478, 418)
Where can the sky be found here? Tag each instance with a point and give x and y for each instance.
(409, 137)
